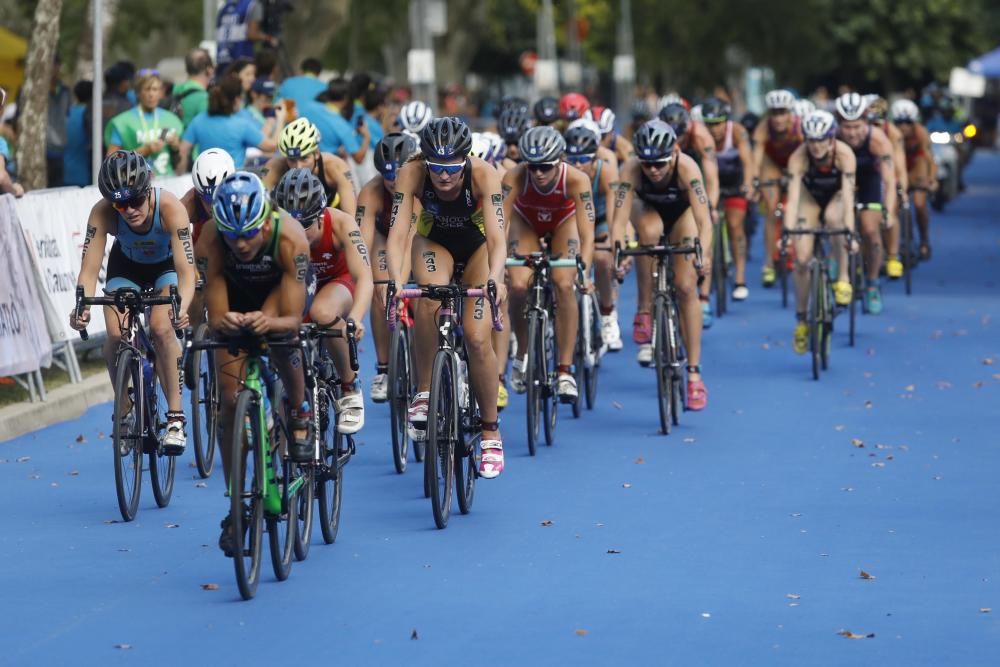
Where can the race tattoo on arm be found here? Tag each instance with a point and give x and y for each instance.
(359, 215)
(359, 244)
(91, 233)
(497, 201)
(301, 267)
(621, 192)
(184, 234)
(699, 190)
(851, 178)
(397, 200)
(588, 206)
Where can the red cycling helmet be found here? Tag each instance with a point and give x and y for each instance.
(573, 106)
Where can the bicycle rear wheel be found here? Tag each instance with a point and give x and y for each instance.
(400, 394)
(204, 404)
(442, 428)
(719, 268)
(852, 262)
(909, 260)
(596, 344)
(662, 354)
(281, 528)
(579, 352)
(126, 439)
(815, 321)
(246, 513)
(330, 477)
(162, 468)
(535, 379)
(304, 509)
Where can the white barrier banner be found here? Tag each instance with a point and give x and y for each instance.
(24, 343)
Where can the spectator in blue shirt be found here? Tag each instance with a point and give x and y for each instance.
(76, 157)
(304, 88)
(223, 126)
(338, 135)
(7, 185)
(367, 96)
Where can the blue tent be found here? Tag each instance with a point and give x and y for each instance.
(988, 64)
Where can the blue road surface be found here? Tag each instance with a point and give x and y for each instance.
(737, 540)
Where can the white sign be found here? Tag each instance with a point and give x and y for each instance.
(965, 83)
(420, 66)
(546, 75)
(623, 69)
(572, 73)
(436, 19)
(25, 345)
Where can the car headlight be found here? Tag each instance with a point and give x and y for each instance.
(969, 131)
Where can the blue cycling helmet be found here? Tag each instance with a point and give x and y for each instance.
(654, 140)
(240, 203)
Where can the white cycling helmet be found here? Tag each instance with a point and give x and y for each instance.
(904, 111)
(696, 114)
(779, 99)
(850, 106)
(210, 168)
(414, 116)
(603, 116)
(587, 125)
(499, 146)
(803, 108)
(819, 125)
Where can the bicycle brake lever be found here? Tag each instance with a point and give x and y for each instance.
(352, 345)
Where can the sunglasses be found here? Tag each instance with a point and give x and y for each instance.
(309, 221)
(656, 164)
(134, 203)
(438, 169)
(779, 112)
(579, 159)
(147, 71)
(235, 236)
(543, 167)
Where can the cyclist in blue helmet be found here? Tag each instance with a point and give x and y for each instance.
(152, 250)
(258, 282)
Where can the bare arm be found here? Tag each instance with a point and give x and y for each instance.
(585, 216)
(94, 244)
(487, 180)
(175, 221)
(609, 185)
(698, 199)
(208, 256)
(358, 264)
(293, 253)
(364, 215)
(709, 165)
(899, 159)
(627, 184)
(407, 182)
(272, 172)
(849, 168)
(746, 158)
(345, 186)
(797, 164)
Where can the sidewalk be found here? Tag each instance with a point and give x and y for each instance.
(67, 402)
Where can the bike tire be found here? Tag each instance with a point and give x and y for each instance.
(534, 379)
(719, 276)
(909, 261)
(596, 343)
(330, 479)
(246, 510)
(466, 459)
(162, 468)
(126, 438)
(550, 400)
(400, 394)
(661, 357)
(304, 511)
(814, 317)
(442, 429)
(678, 357)
(852, 261)
(578, 358)
(204, 400)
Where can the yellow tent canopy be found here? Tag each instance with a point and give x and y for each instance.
(13, 50)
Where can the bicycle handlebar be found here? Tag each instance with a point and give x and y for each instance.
(125, 299)
(441, 293)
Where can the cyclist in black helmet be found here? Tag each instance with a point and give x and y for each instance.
(546, 111)
(512, 123)
(462, 223)
(152, 250)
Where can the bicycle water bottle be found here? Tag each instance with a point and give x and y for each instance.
(463, 384)
(268, 416)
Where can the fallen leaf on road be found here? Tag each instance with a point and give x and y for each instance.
(23, 459)
(54, 484)
(124, 549)
(201, 485)
(865, 575)
(878, 465)
(937, 334)
(978, 385)
(547, 523)
(879, 445)
(795, 515)
(210, 587)
(793, 596)
(942, 385)
(123, 646)
(413, 635)
(80, 438)
(101, 435)
(173, 525)
(996, 376)
(110, 521)
(838, 428)
(581, 633)
(847, 488)
(613, 551)
(850, 635)
(626, 485)
(599, 525)
(616, 405)
(793, 604)
(640, 461)
(765, 346)
(988, 361)
(937, 477)
(688, 439)
(984, 610)
(705, 614)
(857, 442)
(868, 405)
(909, 387)
(74, 473)
(870, 352)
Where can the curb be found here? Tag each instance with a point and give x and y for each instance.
(65, 403)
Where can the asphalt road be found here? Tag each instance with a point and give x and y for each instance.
(738, 539)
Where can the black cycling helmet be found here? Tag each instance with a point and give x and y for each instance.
(445, 138)
(541, 144)
(750, 120)
(301, 193)
(546, 110)
(654, 140)
(513, 102)
(714, 110)
(580, 141)
(512, 123)
(392, 151)
(677, 117)
(124, 176)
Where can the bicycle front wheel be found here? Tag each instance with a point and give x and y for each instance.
(596, 345)
(815, 316)
(466, 460)
(127, 439)
(303, 501)
(579, 354)
(662, 354)
(204, 405)
(246, 512)
(534, 376)
(442, 428)
(162, 468)
(329, 480)
(550, 403)
(400, 394)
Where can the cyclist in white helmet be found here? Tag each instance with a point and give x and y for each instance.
(605, 119)
(920, 167)
(803, 108)
(820, 194)
(414, 116)
(876, 174)
(774, 140)
(878, 115)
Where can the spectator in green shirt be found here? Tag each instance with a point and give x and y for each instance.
(192, 95)
(147, 129)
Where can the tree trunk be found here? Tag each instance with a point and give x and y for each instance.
(467, 20)
(35, 95)
(85, 52)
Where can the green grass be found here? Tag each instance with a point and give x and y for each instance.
(53, 377)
